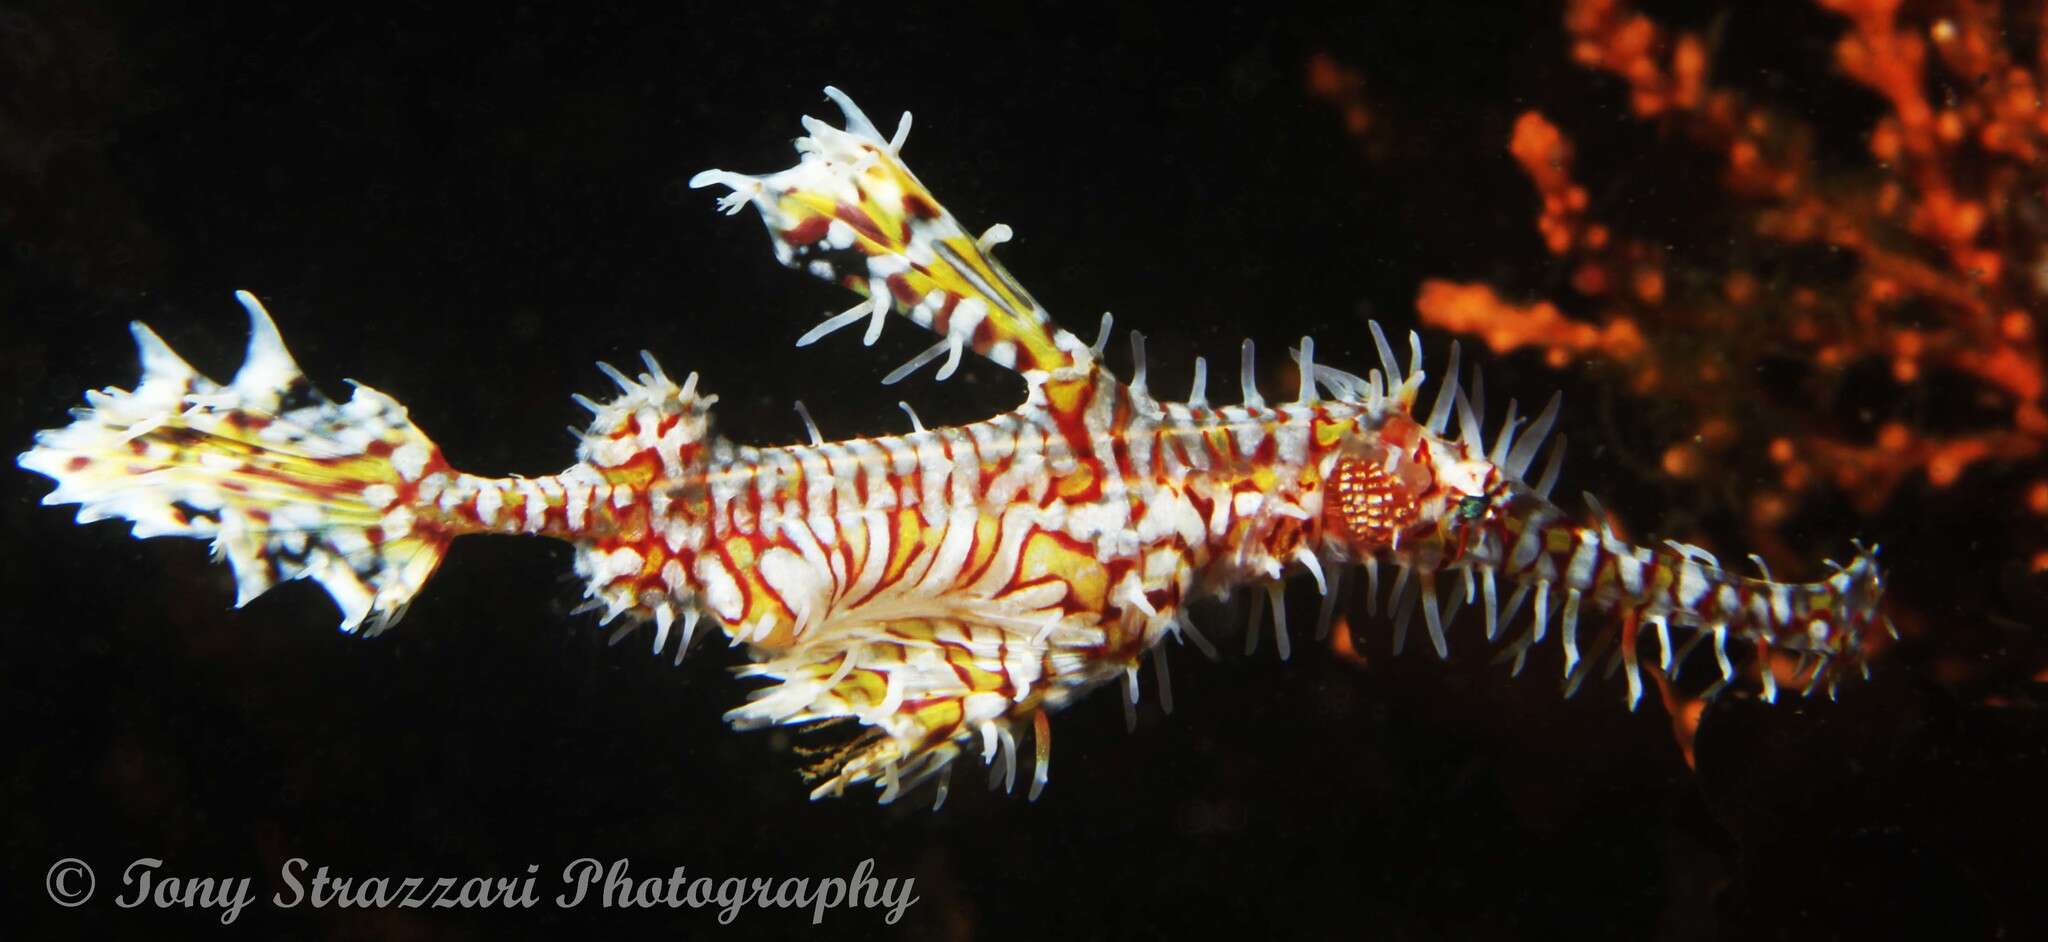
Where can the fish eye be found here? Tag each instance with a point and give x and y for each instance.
(1471, 507)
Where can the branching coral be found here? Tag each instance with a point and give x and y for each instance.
(1946, 226)
(1894, 297)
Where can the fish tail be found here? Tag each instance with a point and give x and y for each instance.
(851, 212)
(286, 483)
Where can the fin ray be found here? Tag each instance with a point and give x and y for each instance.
(851, 195)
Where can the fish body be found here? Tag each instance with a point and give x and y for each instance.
(945, 589)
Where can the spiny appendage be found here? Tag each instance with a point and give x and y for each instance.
(1811, 634)
(288, 484)
(940, 637)
(1440, 508)
(634, 503)
(928, 689)
(851, 212)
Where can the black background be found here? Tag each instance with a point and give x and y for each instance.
(466, 211)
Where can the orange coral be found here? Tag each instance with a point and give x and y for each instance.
(1947, 234)
(1607, 35)
(1342, 87)
(1929, 302)
(1547, 158)
(1476, 309)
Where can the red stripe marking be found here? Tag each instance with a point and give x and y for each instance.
(739, 578)
(808, 231)
(859, 219)
(917, 206)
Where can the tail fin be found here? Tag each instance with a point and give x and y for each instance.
(851, 212)
(289, 484)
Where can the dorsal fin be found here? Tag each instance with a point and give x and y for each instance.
(851, 212)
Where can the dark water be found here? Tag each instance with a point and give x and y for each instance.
(467, 212)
